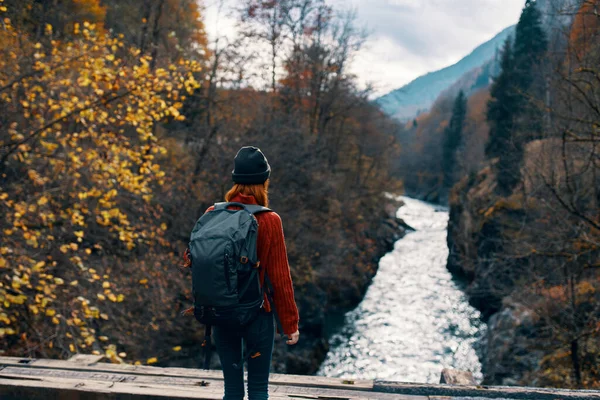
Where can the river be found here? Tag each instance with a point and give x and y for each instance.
(414, 319)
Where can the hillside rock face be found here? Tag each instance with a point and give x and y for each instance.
(474, 235)
(505, 248)
(479, 225)
(477, 221)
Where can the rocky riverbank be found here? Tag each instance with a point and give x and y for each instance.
(479, 220)
(530, 271)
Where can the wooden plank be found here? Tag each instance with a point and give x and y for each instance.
(68, 389)
(295, 392)
(183, 385)
(85, 359)
(48, 388)
(456, 377)
(275, 379)
(320, 381)
(485, 392)
(39, 373)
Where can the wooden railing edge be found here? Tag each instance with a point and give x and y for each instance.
(483, 391)
(91, 363)
(453, 383)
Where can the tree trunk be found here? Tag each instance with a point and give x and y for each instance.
(144, 33)
(155, 34)
(575, 361)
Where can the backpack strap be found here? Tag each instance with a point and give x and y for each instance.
(269, 291)
(206, 344)
(255, 209)
(251, 208)
(220, 206)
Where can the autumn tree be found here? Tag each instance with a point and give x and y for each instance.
(574, 188)
(266, 22)
(166, 30)
(33, 16)
(79, 166)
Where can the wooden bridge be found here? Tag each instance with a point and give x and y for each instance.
(85, 377)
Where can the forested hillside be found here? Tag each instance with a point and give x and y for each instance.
(421, 164)
(525, 228)
(119, 121)
(513, 148)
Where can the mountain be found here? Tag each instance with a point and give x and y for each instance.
(418, 96)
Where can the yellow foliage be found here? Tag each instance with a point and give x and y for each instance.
(82, 133)
(585, 288)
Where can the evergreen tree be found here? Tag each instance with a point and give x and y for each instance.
(503, 108)
(530, 45)
(530, 48)
(502, 105)
(453, 139)
(512, 114)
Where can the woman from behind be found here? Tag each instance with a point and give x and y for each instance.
(251, 180)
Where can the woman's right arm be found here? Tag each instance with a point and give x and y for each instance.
(278, 270)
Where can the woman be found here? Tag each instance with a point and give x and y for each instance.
(251, 180)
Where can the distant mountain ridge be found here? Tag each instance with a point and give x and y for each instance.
(419, 95)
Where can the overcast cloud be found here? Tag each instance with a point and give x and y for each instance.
(409, 38)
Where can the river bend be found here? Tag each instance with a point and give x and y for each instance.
(414, 319)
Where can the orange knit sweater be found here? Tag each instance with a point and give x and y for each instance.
(272, 254)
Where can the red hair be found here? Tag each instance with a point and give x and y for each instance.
(259, 191)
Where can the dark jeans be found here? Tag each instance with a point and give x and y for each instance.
(258, 338)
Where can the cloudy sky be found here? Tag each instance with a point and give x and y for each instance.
(408, 38)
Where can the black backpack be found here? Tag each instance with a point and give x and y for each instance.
(225, 279)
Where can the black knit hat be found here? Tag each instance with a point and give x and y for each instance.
(251, 166)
